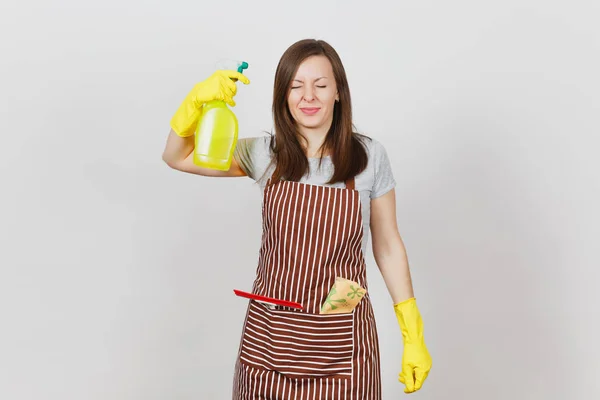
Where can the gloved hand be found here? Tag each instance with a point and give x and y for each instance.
(219, 86)
(416, 361)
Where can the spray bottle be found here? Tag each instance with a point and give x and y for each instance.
(217, 130)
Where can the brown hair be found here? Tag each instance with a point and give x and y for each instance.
(348, 154)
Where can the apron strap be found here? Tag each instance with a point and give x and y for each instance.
(350, 183)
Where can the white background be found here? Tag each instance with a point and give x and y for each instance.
(117, 272)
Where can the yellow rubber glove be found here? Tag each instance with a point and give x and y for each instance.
(219, 86)
(416, 361)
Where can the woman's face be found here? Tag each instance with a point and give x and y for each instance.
(313, 94)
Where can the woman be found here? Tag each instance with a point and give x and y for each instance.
(324, 188)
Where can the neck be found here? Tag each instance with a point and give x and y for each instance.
(312, 140)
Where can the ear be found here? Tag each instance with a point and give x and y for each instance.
(337, 97)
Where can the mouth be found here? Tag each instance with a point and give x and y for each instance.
(310, 110)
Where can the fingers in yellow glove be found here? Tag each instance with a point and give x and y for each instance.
(416, 360)
(407, 378)
(219, 86)
(228, 87)
(420, 376)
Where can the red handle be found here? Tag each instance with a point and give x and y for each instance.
(269, 300)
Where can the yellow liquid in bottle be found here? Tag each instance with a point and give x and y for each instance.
(216, 137)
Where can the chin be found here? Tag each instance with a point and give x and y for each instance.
(310, 124)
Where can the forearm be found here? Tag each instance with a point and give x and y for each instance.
(392, 260)
(177, 148)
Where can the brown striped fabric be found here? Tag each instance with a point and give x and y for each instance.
(311, 235)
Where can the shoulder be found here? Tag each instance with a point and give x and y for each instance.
(255, 144)
(376, 151)
(253, 154)
(378, 177)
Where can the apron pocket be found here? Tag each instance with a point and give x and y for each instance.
(298, 344)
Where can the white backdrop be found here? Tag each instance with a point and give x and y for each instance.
(117, 272)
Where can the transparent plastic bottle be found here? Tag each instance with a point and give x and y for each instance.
(217, 131)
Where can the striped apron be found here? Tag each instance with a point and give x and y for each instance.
(311, 235)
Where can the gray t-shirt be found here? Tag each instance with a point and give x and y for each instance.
(254, 157)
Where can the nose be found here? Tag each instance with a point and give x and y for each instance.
(308, 94)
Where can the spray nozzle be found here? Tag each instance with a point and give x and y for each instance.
(242, 66)
(232, 65)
